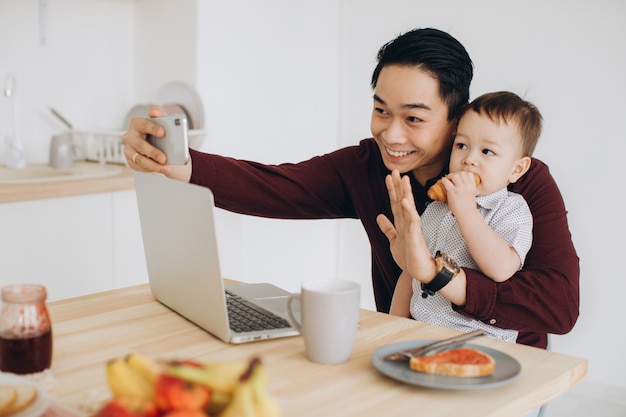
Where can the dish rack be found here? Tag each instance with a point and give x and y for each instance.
(106, 146)
(103, 146)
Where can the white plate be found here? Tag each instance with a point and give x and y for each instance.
(140, 110)
(41, 403)
(177, 92)
(507, 369)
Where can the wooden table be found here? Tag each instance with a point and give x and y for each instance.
(91, 329)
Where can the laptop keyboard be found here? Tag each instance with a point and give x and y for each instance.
(244, 316)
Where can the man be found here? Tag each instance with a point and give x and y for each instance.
(421, 84)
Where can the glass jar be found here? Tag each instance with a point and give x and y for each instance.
(25, 329)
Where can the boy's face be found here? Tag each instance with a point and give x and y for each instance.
(490, 149)
(410, 122)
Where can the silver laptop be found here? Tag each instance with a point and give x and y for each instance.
(180, 244)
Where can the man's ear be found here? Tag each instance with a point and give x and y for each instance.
(521, 166)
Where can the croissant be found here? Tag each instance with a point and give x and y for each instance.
(438, 192)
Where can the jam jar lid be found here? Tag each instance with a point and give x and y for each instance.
(24, 293)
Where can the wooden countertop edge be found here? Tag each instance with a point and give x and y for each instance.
(36, 191)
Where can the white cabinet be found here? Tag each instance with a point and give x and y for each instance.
(72, 245)
(129, 266)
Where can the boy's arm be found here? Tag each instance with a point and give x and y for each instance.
(490, 251)
(493, 255)
(401, 301)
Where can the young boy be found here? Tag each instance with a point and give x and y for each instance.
(495, 139)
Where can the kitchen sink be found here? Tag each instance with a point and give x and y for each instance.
(43, 173)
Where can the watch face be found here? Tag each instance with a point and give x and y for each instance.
(449, 263)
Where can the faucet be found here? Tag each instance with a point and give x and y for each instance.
(13, 149)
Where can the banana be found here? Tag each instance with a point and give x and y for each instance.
(242, 404)
(219, 401)
(251, 398)
(243, 401)
(148, 368)
(218, 376)
(125, 381)
(264, 404)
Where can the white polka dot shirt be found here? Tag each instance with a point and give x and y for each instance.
(508, 215)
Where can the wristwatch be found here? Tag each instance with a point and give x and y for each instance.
(449, 269)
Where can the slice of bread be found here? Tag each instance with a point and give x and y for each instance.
(8, 394)
(460, 362)
(24, 395)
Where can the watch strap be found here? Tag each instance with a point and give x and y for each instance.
(442, 279)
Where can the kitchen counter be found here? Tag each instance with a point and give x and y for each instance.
(62, 188)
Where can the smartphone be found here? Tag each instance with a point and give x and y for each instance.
(175, 143)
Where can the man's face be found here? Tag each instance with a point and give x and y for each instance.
(410, 122)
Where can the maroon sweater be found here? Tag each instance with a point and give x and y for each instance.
(349, 183)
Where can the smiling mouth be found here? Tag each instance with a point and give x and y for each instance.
(398, 154)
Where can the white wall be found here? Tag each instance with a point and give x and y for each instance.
(283, 80)
(568, 57)
(164, 45)
(84, 70)
(270, 90)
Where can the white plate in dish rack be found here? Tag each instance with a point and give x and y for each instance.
(41, 403)
(177, 92)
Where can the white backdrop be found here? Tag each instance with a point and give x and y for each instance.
(283, 80)
(568, 57)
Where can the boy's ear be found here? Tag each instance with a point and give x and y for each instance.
(521, 166)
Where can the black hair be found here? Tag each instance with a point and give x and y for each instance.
(439, 54)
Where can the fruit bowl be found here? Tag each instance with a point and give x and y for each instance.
(143, 387)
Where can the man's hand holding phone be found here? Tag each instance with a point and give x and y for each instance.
(170, 153)
(175, 143)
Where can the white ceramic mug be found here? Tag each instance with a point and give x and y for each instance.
(330, 317)
(62, 151)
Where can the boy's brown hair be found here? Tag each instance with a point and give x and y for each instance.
(505, 106)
